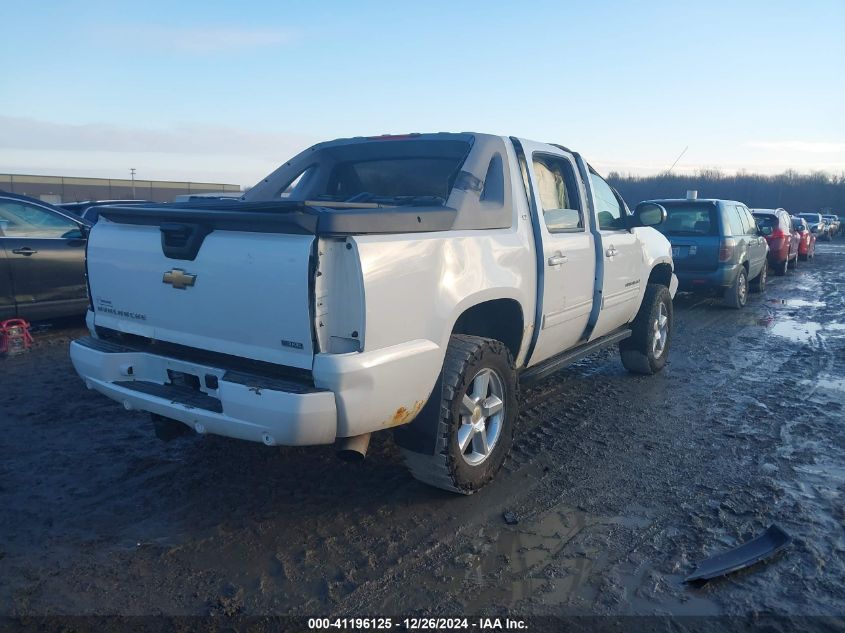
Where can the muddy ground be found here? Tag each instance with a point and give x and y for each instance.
(620, 484)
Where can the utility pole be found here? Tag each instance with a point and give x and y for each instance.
(132, 173)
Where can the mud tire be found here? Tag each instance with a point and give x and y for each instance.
(466, 356)
(638, 350)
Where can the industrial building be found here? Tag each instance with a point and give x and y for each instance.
(58, 189)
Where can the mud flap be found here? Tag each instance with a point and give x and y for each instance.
(420, 435)
(767, 544)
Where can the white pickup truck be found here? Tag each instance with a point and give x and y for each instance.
(396, 282)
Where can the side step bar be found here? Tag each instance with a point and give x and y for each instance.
(551, 365)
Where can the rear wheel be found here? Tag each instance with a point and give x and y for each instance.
(794, 263)
(477, 414)
(647, 349)
(782, 267)
(737, 295)
(759, 284)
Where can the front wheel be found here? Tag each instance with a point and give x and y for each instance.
(476, 417)
(646, 350)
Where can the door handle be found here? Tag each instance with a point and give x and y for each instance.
(557, 259)
(26, 250)
(610, 252)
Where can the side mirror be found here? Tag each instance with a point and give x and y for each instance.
(649, 214)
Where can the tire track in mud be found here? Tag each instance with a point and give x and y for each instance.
(624, 552)
(620, 484)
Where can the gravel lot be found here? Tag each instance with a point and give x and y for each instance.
(620, 483)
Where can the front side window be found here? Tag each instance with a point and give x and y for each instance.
(558, 194)
(610, 214)
(19, 219)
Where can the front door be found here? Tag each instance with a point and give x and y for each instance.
(46, 255)
(622, 255)
(567, 266)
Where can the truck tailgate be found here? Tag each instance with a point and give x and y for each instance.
(245, 293)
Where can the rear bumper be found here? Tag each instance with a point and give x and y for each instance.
(243, 411)
(351, 394)
(721, 277)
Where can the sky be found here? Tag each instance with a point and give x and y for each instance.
(225, 91)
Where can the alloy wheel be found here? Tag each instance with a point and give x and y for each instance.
(482, 413)
(661, 332)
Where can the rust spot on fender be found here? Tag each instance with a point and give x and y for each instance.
(404, 415)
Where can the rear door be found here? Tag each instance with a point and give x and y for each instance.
(567, 266)
(46, 256)
(757, 246)
(622, 255)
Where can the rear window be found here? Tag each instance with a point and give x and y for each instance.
(389, 172)
(689, 219)
(798, 225)
(766, 222)
(391, 178)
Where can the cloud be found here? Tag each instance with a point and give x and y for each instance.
(193, 39)
(179, 152)
(804, 147)
(188, 138)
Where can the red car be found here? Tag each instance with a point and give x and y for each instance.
(807, 239)
(776, 226)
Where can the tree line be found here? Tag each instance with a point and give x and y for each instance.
(817, 191)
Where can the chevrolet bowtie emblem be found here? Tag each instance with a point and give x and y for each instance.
(178, 278)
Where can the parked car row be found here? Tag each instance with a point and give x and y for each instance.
(43, 248)
(824, 227)
(723, 246)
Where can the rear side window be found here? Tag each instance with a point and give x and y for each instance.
(748, 221)
(736, 224)
(558, 194)
(689, 219)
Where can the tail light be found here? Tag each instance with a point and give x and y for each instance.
(778, 233)
(726, 249)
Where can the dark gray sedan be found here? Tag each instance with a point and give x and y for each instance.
(42, 260)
